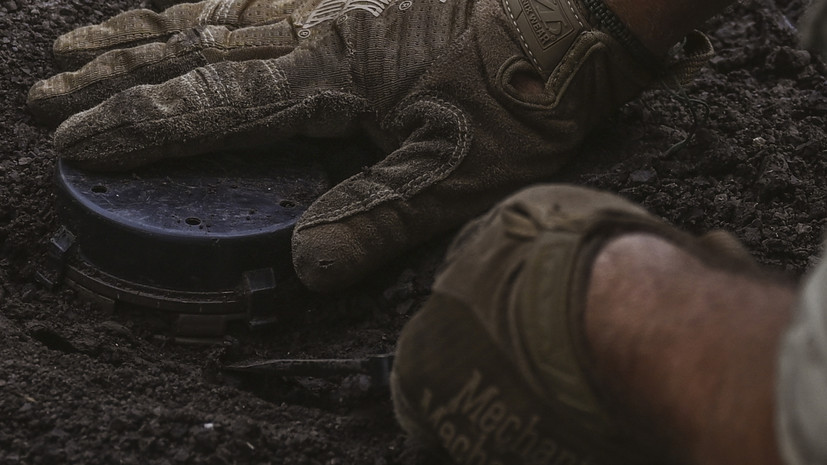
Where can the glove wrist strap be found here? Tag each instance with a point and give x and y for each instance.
(611, 24)
(548, 28)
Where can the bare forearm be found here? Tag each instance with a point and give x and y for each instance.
(689, 350)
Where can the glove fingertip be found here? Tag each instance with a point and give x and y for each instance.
(36, 109)
(324, 259)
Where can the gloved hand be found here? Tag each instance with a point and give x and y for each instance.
(471, 99)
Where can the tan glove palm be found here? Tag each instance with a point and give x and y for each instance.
(441, 84)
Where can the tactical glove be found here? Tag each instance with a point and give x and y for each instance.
(470, 99)
(496, 367)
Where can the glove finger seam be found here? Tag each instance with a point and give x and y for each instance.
(413, 186)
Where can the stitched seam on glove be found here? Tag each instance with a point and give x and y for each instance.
(282, 92)
(525, 44)
(522, 37)
(61, 49)
(225, 11)
(124, 72)
(580, 57)
(415, 185)
(209, 11)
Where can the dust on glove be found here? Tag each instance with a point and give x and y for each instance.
(471, 99)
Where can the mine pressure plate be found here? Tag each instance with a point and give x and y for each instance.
(204, 240)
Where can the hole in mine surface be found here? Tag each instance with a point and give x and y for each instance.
(99, 189)
(287, 203)
(193, 221)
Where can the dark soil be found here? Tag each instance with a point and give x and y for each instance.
(80, 385)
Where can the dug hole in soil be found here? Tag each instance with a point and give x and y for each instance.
(79, 385)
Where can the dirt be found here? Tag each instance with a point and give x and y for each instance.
(81, 385)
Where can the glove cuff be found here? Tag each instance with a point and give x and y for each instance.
(611, 24)
(548, 28)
